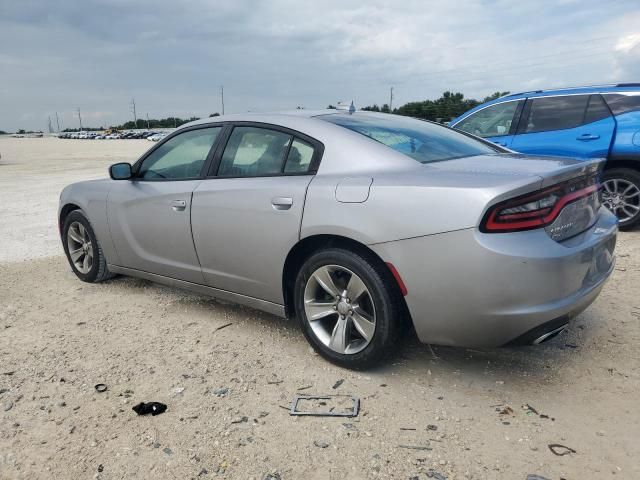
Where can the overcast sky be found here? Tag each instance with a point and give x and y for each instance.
(172, 56)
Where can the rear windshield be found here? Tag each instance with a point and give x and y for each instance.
(423, 141)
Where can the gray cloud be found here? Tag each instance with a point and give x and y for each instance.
(278, 54)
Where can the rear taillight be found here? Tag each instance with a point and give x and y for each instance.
(536, 210)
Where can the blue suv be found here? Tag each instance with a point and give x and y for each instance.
(583, 122)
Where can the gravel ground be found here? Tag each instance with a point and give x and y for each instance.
(458, 413)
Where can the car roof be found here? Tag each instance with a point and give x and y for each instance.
(588, 89)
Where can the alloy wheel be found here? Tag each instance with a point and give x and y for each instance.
(622, 197)
(339, 309)
(80, 247)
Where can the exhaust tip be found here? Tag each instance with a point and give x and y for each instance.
(549, 335)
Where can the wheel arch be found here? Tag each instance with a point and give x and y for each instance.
(64, 212)
(622, 163)
(309, 245)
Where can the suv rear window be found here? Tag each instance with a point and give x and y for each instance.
(423, 141)
(622, 103)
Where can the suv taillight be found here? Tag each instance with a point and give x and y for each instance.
(536, 210)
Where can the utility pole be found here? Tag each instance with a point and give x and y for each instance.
(133, 109)
(391, 100)
(58, 122)
(80, 118)
(147, 121)
(222, 97)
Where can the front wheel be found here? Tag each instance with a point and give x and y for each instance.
(621, 195)
(347, 307)
(83, 250)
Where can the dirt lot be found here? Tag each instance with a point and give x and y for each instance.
(60, 337)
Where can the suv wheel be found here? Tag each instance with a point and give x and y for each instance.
(621, 195)
(347, 307)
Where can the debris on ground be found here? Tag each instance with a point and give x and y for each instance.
(240, 420)
(560, 450)
(437, 475)
(432, 427)
(153, 408)
(221, 392)
(272, 476)
(222, 326)
(338, 383)
(344, 406)
(506, 410)
(100, 388)
(415, 447)
(533, 476)
(320, 444)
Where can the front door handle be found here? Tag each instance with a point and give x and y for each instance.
(281, 203)
(178, 205)
(587, 136)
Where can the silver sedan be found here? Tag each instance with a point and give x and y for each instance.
(357, 224)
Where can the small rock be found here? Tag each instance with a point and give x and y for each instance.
(156, 445)
(6, 406)
(432, 427)
(100, 468)
(533, 476)
(221, 392)
(3, 390)
(167, 450)
(178, 390)
(320, 444)
(240, 420)
(272, 476)
(203, 472)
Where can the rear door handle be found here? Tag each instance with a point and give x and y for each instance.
(281, 203)
(502, 144)
(178, 205)
(588, 136)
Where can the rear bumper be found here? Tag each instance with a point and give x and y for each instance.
(473, 289)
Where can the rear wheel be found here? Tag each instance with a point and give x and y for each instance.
(83, 250)
(347, 307)
(621, 195)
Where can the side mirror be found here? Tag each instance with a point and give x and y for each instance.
(120, 171)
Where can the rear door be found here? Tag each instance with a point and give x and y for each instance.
(246, 216)
(496, 123)
(149, 215)
(570, 125)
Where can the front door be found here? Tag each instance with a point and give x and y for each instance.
(149, 216)
(247, 218)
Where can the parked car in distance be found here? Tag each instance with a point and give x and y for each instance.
(353, 223)
(582, 122)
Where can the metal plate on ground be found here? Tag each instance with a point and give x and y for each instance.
(325, 406)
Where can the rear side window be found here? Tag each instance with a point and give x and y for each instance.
(299, 158)
(491, 121)
(254, 152)
(622, 103)
(554, 113)
(597, 110)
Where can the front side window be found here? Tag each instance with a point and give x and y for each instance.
(554, 113)
(492, 121)
(254, 152)
(423, 141)
(180, 157)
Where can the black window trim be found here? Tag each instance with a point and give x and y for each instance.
(318, 150)
(205, 167)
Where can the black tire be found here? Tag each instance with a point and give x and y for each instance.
(98, 271)
(631, 176)
(384, 295)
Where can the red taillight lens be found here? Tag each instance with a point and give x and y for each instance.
(538, 209)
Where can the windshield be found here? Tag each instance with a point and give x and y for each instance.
(423, 141)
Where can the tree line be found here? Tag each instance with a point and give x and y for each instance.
(449, 106)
